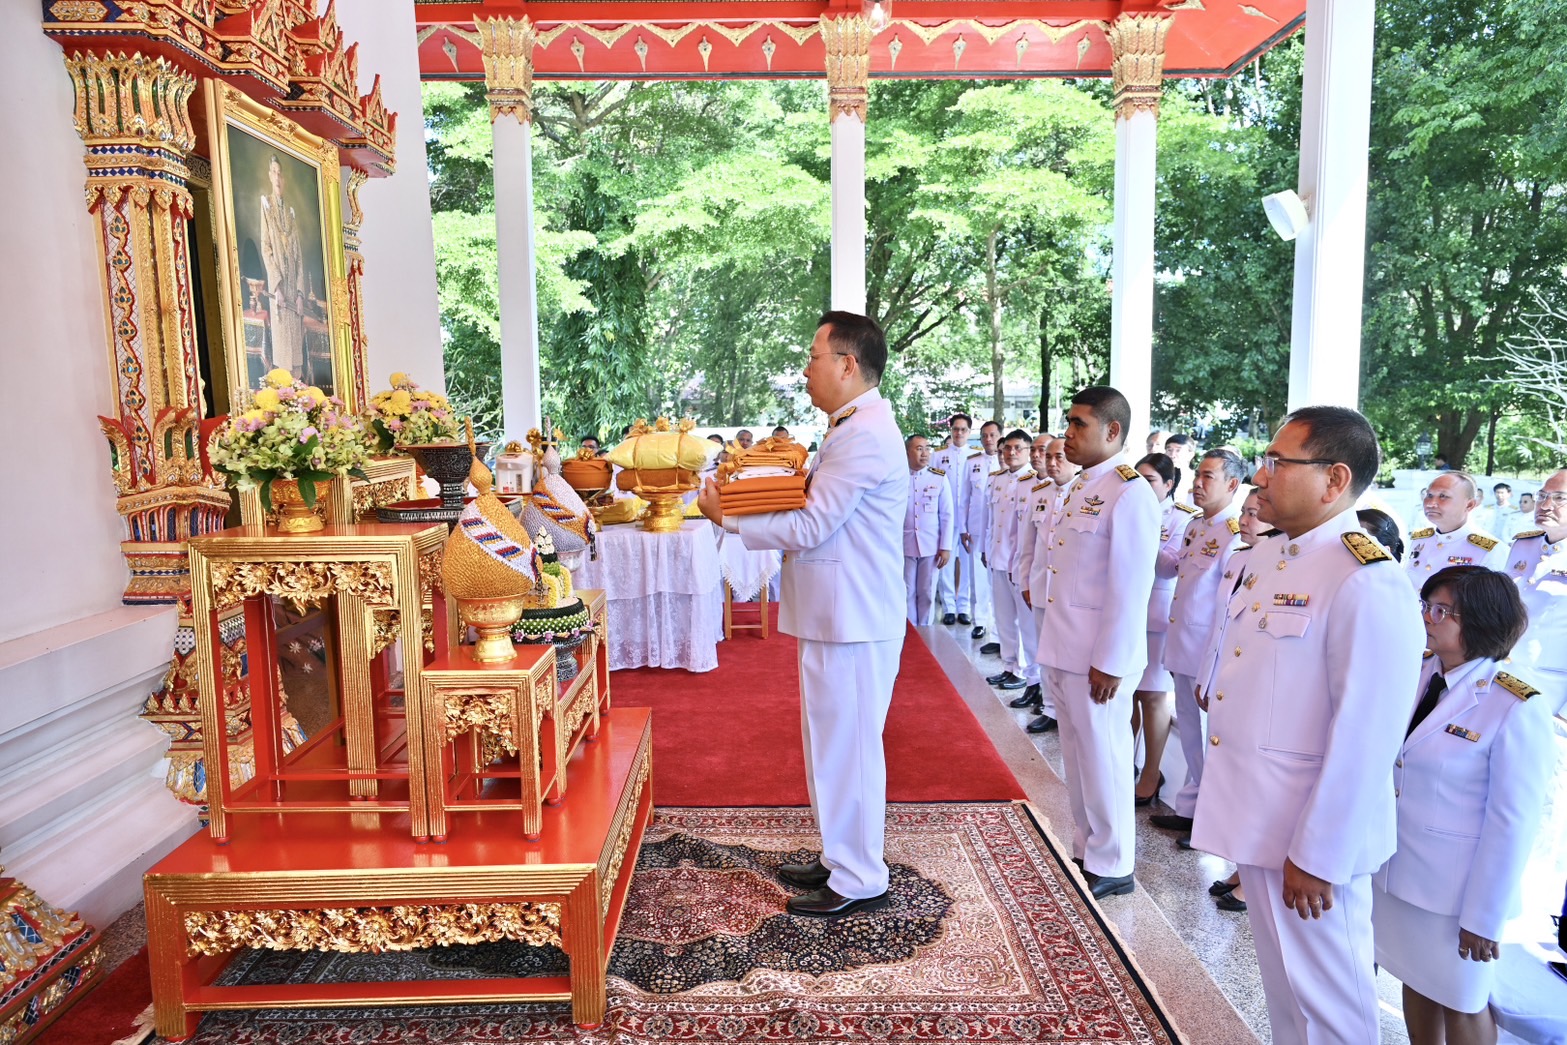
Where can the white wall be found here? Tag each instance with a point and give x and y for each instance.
(59, 533)
(402, 315)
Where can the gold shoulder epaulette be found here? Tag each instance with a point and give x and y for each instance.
(998, 471)
(1528, 533)
(1188, 509)
(1024, 476)
(1364, 548)
(980, 453)
(937, 471)
(1234, 525)
(1127, 472)
(1516, 686)
(1420, 535)
(1487, 543)
(1039, 486)
(1427, 655)
(846, 415)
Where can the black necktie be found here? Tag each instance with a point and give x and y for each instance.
(1434, 690)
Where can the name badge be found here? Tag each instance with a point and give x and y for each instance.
(1460, 731)
(1211, 549)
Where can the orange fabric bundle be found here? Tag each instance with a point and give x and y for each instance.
(765, 484)
(763, 506)
(770, 453)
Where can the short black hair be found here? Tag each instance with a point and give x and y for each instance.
(1380, 525)
(715, 437)
(1234, 467)
(1500, 487)
(593, 438)
(859, 336)
(1162, 464)
(781, 428)
(744, 431)
(961, 414)
(1108, 405)
(908, 440)
(1178, 439)
(987, 424)
(1343, 436)
(1491, 616)
(1017, 433)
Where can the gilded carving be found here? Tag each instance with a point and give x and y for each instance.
(507, 45)
(848, 43)
(581, 707)
(372, 929)
(1137, 68)
(303, 582)
(628, 819)
(383, 630)
(485, 712)
(78, 10)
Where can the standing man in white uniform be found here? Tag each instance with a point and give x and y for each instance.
(1094, 630)
(1537, 561)
(975, 523)
(1210, 540)
(1033, 558)
(927, 528)
(1454, 537)
(952, 587)
(1006, 485)
(1318, 663)
(839, 598)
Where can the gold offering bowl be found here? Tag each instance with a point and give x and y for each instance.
(665, 512)
(293, 515)
(492, 619)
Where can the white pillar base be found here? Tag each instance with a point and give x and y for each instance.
(516, 272)
(1132, 268)
(848, 214)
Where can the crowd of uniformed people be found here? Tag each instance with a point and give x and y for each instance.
(1365, 713)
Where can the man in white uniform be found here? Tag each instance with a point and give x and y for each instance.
(975, 522)
(952, 587)
(1318, 662)
(1454, 537)
(1007, 484)
(1210, 540)
(1094, 630)
(1537, 561)
(1033, 558)
(839, 598)
(927, 528)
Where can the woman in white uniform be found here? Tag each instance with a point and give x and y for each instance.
(1154, 699)
(1467, 782)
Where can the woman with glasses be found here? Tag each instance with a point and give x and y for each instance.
(1154, 699)
(1467, 785)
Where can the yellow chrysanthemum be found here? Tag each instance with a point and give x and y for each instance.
(254, 415)
(320, 395)
(279, 377)
(267, 398)
(400, 402)
(399, 378)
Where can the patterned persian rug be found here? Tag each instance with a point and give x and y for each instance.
(989, 937)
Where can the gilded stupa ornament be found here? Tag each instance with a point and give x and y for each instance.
(1137, 65)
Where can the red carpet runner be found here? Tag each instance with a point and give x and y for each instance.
(731, 736)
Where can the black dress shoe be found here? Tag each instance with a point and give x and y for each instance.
(1183, 842)
(949, 618)
(1102, 885)
(1172, 822)
(1031, 698)
(1221, 886)
(1042, 724)
(978, 632)
(991, 648)
(1010, 681)
(964, 618)
(824, 903)
(804, 876)
(1228, 902)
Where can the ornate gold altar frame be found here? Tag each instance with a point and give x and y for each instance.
(228, 109)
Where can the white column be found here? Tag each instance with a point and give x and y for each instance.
(848, 213)
(1132, 267)
(1137, 71)
(847, 41)
(516, 273)
(1330, 254)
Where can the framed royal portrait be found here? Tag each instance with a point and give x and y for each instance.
(278, 238)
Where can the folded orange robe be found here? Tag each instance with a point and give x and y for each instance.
(758, 509)
(770, 483)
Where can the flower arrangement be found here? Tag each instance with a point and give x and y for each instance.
(291, 431)
(406, 414)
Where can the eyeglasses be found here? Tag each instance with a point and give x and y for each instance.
(1558, 499)
(1437, 612)
(1271, 462)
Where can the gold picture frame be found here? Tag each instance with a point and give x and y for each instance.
(278, 236)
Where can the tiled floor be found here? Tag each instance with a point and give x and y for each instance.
(1170, 919)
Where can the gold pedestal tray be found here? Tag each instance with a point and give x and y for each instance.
(665, 507)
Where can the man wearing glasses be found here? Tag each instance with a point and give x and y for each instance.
(1318, 662)
(1454, 537)
(1537, 560)
(841, 596)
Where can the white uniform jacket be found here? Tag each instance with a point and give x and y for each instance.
(1470, 784)
(1006, 490)
(976, 498)
(1198, 566)
(1100, 573)
(927, 524)
(949, 462)
(1468, 545)
(1313, 688)
(1540, 569)
(843, 578)
(1034, 526)
(1173, 517)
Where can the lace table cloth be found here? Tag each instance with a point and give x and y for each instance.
(665, 606)
(745, 569)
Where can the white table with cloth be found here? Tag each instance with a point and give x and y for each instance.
(747, 570)
(664, 599)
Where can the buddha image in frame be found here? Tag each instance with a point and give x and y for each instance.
(282, 261)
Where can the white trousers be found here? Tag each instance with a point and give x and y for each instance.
(1317, 974)
(919, 575)
(1028, 634)
(1096, 747)
(954, 592)
(978, 585)
(1191, 724)
(845, 690)
(1047, 703)
(1008, 634)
